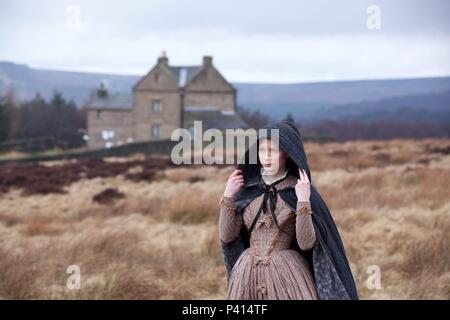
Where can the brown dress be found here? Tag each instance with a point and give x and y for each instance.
(268, 269)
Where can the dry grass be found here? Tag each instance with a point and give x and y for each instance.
(157, 238)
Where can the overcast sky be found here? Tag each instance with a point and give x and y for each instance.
(250, 41)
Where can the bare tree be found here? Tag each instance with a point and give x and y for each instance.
(255, 119)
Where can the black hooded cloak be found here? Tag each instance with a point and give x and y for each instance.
(327, 259)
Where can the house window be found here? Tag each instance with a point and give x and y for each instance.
(156, 131)
(98, 114)
(107, 134)
(156, 106)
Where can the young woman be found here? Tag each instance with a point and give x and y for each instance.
(277, 235)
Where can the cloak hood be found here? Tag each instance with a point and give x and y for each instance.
(327, 259)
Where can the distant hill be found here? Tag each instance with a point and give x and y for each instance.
(411, 99)
(333, 100)
(412, 108)
(73, 85)
(433, 107)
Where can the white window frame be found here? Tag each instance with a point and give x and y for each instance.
(156, 105)
(107, 134)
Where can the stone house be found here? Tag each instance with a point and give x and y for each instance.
(167, 98)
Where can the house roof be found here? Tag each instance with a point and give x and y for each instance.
(184, 74)
(213, 117)
(112, 101)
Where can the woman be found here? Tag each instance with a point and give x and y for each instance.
(277, 235)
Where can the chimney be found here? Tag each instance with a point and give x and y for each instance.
(207, 60)
(163, 59)
(102, 92)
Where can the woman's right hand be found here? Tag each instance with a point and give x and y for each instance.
(234, 184)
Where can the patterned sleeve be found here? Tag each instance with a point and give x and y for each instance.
(230, 224)
(306, 236)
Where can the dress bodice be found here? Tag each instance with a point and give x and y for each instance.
(266, 237)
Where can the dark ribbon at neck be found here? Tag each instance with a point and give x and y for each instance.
(269, 202)
(269, 198)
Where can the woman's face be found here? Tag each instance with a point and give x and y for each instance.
(272, 158)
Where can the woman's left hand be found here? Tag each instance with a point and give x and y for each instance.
(303, 187)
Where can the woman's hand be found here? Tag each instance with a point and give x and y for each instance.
(303, 187)
(234, 184)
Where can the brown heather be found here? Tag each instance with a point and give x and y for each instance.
(153, 234)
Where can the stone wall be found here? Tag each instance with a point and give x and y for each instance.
(169, 118)
(120, 122)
